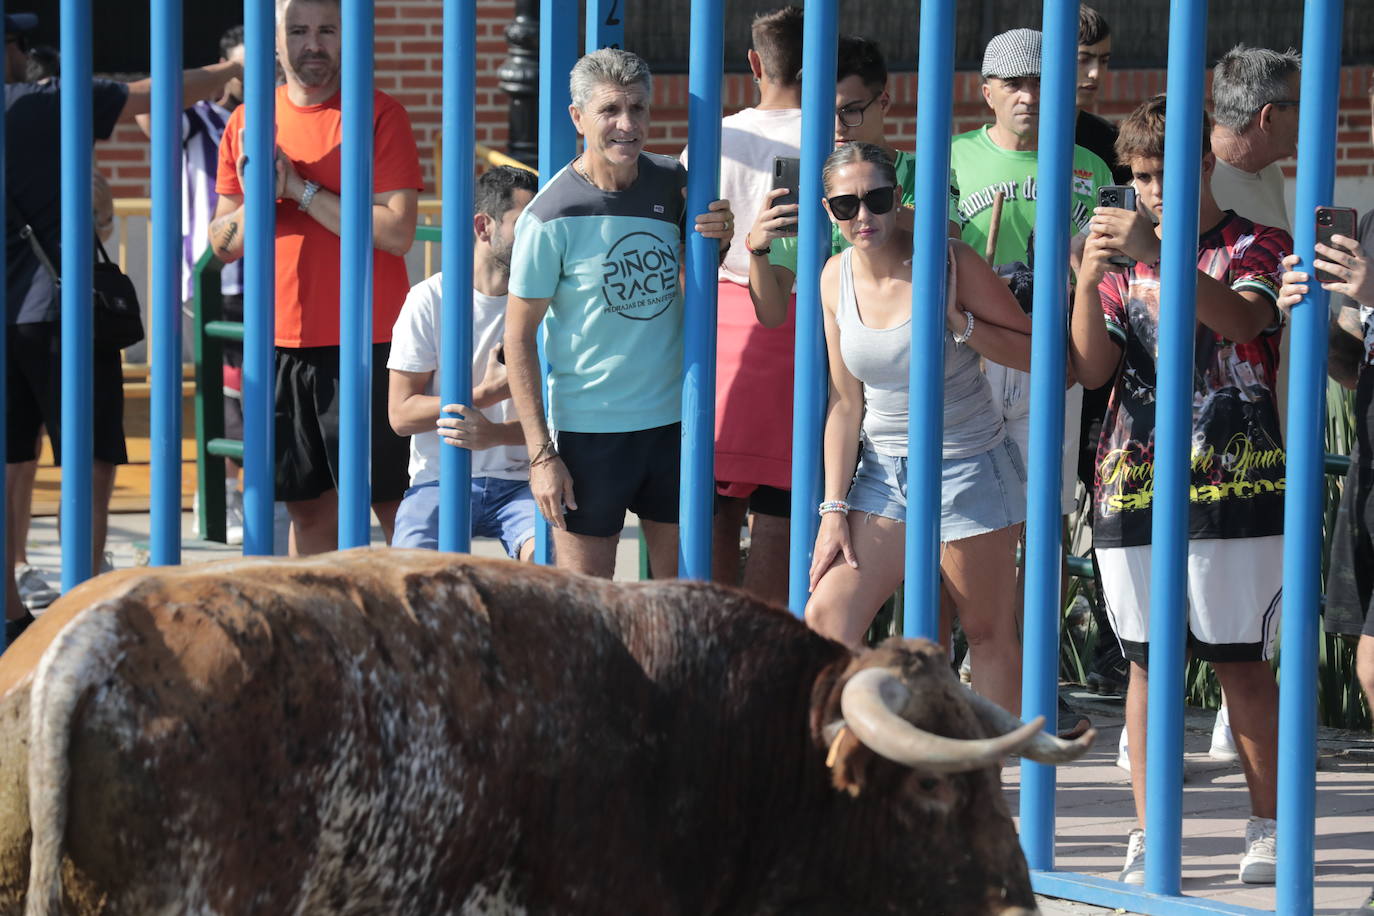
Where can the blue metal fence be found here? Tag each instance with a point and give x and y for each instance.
(259, 268)
(355, 280)
(819, 29)
(558, 48)
(455, 382)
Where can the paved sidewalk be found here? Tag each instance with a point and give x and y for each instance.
(1095, 813)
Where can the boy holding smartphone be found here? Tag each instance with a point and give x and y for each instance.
(1235, 550)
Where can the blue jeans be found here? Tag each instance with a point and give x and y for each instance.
(502, 509)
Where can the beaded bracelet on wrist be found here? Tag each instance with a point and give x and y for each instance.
(834, 505)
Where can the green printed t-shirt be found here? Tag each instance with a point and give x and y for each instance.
(981, 168)
(784, 250)
(609, 261)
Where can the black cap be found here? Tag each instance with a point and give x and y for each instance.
(17, 23)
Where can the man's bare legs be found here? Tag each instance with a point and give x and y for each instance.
(766, 569)
(725, 528)
(765, 572)
(315, 522)
(585, 553)
(1254, 722)
(661, 539)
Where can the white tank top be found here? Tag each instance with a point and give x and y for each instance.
(881, 360)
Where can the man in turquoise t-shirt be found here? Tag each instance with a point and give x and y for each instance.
(596, 258)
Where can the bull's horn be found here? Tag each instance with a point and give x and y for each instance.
(1044, 747)
(868, 703)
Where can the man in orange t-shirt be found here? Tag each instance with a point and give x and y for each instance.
(309, 153)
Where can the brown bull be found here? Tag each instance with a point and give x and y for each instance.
(407, 732)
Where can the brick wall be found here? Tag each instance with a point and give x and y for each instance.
(409, 58)
(409, 55)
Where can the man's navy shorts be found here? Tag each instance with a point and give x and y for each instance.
(615, 472)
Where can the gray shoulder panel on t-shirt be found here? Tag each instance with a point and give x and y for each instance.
(656, 194)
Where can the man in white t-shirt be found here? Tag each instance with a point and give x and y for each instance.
(502, 506)
(1255, 125)
(1255, 110)
(753, 448)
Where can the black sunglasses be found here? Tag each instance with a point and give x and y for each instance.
(878, 201)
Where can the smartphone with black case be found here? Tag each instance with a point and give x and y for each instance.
(787, 174)
(1122, 197)
(1333, 221)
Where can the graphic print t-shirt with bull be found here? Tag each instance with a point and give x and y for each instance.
(1237, 454)
(609, 261)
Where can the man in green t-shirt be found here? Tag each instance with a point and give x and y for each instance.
(1002, 156)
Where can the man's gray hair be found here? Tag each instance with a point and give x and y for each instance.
(1246, 79)
(608, 66)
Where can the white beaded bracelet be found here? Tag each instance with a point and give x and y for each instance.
(968, 330)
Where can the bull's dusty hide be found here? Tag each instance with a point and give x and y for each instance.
(408, 732)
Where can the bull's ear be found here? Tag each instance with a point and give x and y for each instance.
(848, 759)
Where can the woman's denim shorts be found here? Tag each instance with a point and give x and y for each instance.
(978, 494)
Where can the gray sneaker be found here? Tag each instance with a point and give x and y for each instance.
(1134, 870)
(1257, 866)
(34, 590)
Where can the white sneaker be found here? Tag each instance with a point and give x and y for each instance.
(1134, 870)
(1123, 753)
(34, 590)
(1223, 744)
(233, 514)
(1258, 864)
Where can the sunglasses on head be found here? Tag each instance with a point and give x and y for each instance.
(878, 201)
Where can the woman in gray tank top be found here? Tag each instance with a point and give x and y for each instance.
(859, 556)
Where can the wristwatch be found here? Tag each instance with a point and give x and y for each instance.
(308, 195)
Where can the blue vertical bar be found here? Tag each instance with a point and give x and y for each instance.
(934, 112)
(697, 498)
(259, 268)
(355, 280)
(455, 343)
(1040, 671)
(77, 260)
(606, 25)
(1304, 496)
(166, 283)
(1173, 446)
(557, 146)
(819, 33)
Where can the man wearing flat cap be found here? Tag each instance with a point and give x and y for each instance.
(1002, 157)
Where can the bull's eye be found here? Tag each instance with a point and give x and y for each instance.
(929, 784)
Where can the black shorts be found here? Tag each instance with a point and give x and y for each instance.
(1350, 582)
(765, 500)
(34, 375)
(307, 426)
(615, 472)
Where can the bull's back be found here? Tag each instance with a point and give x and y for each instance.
(364, 728)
